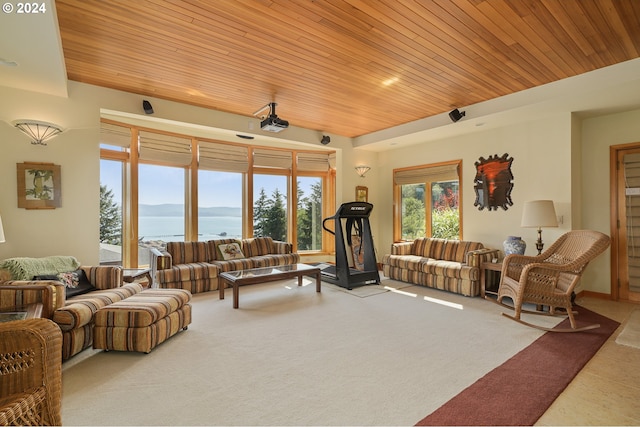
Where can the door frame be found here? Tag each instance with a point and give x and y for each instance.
(617, 217)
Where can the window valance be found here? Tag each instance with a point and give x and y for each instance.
(223, 157)
(426, 174)
(115, 135)
(313, 162)
(272, 158)
(165, 148)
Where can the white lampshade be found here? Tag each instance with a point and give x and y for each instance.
(539, 213)
(1, 232)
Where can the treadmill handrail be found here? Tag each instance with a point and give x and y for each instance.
(325, 228)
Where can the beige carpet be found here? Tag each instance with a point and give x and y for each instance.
(630, 335)
(291, 356)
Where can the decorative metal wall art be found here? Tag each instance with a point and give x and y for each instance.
(493, 182)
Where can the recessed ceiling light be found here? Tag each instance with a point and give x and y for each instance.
(390, 81)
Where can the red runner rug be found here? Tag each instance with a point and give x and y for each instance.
(520, 390)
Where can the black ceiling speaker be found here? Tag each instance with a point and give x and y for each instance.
(456, 115)
(326, 139)
(146, 105)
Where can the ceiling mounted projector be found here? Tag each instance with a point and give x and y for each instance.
(272, 123)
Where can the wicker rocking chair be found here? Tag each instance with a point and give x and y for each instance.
(550, 278)
(30, 372)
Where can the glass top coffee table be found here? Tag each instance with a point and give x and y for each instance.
(266, 274)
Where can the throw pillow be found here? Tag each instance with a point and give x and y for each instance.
(69, 279)
(76, 282)
(229, 251)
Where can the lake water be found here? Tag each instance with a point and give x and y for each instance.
(170, 228)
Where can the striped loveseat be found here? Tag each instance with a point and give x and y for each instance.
(195, 266)
(74, 315)
(450, 265)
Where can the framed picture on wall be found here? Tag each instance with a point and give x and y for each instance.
(39, 186)
(362, 194)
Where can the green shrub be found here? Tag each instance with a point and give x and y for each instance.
(445, 223)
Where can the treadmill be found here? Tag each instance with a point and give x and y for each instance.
(356, 266)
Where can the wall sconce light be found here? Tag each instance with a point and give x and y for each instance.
(39, 132)
(362, 170)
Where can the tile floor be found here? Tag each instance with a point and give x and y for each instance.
(607, 390)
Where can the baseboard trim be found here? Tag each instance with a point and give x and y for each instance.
(593, 294)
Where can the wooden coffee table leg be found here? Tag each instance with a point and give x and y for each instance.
(221, 287)
(300, 279)
(318, 281)
(236, 294)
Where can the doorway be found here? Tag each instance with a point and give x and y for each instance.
(625, 193)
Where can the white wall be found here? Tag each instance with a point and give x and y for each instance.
(598, 134)
(72, 228)
(541, 168)
(546, 152)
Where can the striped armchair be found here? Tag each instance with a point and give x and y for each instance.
(75, 315)
(450, 265)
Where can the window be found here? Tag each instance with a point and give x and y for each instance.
(270, 212)
(174, 187)
(219, 205)
(309, 214)
(427, 201)
(111, 174)
(161, 207)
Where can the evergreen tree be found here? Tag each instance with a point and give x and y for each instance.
(110, 218)
(303, 222)
(260, 212)
(275, 223)
(314, 211)
(310, 218)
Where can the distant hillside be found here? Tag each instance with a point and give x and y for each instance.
(178, 210)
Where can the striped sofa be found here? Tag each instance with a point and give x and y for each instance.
(195, 266)
(74, 316)
(449, 265)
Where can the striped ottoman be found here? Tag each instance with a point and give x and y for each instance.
(142, 321)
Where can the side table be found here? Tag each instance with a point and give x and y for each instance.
(130, 275)
(484, 268)
(30, 311)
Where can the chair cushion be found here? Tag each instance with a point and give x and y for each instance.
(188, 252)
(409, 262)
(257, 246)
(76, 282)
(188, 272)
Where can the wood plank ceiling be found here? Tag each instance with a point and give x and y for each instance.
(347, 67)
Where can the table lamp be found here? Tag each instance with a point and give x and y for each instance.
(538, 214)
(1, 232)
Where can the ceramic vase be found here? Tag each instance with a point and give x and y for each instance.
(514, 245)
